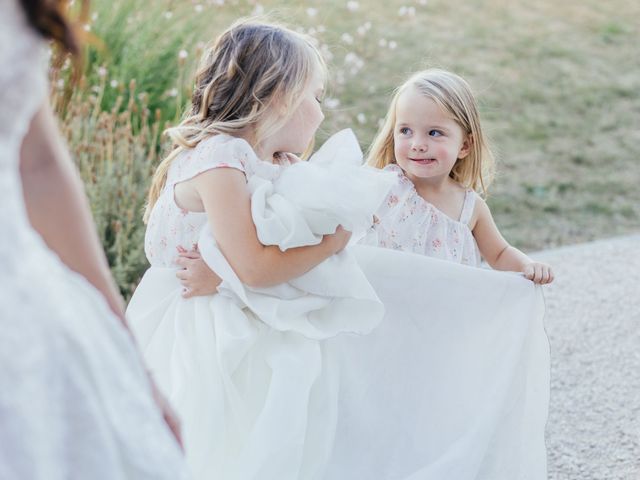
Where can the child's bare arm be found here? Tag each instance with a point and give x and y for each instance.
(227, 202)
(499, 254)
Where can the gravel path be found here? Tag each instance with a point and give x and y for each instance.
(593, 323)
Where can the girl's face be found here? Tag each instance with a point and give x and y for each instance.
(296, 134)
(427, 142)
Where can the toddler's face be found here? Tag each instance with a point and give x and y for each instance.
(427, 142)
(296, 135)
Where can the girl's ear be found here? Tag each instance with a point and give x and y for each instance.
(467, 145)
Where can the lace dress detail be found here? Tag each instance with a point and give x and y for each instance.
(75, 402)
(407, 222)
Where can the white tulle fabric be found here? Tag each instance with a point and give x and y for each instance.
(75, 402)
(247, 368)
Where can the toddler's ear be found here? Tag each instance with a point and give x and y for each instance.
(467, 145)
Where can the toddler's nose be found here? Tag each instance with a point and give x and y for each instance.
(419, 147)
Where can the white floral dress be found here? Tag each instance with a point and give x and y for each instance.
(407, 222)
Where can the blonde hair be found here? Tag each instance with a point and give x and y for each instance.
(247, 70)
(453, 94)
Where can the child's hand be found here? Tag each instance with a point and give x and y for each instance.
(538, 272)
(338, 240)
(196, 277)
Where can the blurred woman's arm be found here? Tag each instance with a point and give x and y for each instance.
(58, 209)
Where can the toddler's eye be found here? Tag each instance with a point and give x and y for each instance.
(319, 100)
(405, 131)
(435, 133)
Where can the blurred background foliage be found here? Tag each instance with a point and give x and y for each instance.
(557, 83)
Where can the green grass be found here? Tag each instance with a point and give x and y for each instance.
(557, 84)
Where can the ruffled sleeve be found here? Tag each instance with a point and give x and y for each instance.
(218, 151)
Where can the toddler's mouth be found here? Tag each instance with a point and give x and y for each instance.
(423, 161)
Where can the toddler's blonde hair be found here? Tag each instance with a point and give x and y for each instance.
(247, 70)
(453, 94)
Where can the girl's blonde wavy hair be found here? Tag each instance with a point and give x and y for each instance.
(453, 94)
(249, 76)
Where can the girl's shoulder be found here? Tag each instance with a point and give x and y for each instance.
(216, 151)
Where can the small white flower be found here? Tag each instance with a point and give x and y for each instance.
(352, 6)
(198, 8)
(113, 83)
(87, 28)
(168, 14)
(331, 103)
(367, 25)
(258, 10)
(102, 72)
(183, 54)
(346, 38)
(312, 12)
(422, 2)
(403, 11)
(94, 16)
(173, 92)
(392, 45)
(362, 119)
(60, 83)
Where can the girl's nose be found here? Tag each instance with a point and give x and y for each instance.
(419, 146)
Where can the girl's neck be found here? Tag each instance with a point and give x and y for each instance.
(432, 185)
(263, 150)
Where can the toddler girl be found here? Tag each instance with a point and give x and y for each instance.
(432, 139)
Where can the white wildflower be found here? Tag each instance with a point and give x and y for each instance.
(331, 103)
(346, 38)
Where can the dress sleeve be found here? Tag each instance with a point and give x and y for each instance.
(219, 151)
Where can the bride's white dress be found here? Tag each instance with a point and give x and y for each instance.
(312, 379)
(75, 402)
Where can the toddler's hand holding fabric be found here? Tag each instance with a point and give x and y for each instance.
(538, 272)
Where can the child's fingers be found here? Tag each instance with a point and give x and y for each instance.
(192, 254)
(528, 272)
